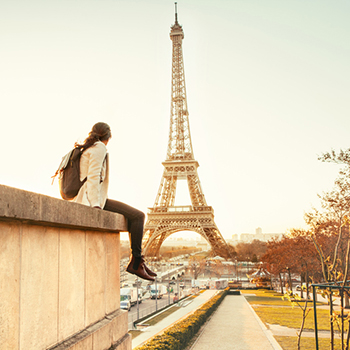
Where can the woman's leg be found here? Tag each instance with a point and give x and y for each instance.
(136, 219)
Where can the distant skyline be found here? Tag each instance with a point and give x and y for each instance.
(267, 87)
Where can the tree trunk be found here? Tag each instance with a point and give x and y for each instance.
(301, 287)
(290, 281)
(281, 283)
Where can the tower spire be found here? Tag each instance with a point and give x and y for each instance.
(176, 13)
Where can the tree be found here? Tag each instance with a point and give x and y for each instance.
(197, 265)
(233, 252)
(305, 257)
(276, 257)
(250, 251)
(331, 225)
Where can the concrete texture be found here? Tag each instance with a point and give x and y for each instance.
(110, 330)
(112, 273)
(59, 279)
(95, 278)
(72, 282)
(39, 287)
(37, 208)
(9, 285)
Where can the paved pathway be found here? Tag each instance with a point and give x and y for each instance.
(235, 326)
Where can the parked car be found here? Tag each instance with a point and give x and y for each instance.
(125, 305)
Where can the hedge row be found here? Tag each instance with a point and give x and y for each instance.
(179, 335)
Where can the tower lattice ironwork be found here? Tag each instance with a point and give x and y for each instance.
(165, 218)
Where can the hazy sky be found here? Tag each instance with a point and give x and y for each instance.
(267, 90)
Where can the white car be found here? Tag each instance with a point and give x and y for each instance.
(125, 305)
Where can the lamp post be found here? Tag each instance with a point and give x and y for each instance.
(137, 291)
(167, 267)
(178, 289)
(236, 270)
(168, 290)
(156, 294)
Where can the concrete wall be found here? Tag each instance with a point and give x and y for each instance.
(59, 274)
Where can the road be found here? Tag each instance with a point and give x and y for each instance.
(147, 307)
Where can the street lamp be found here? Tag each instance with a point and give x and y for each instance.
(137, 291)
(236, 270)
(156, 291)
(168, 267)
(177, 282)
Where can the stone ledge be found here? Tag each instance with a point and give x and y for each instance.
(109, 332)
(35, 208)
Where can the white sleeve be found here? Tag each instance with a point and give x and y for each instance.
(97, 156)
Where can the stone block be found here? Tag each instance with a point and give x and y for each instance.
(59, 274)
(95, 277)
(9, 285)
(85, 344)
(39, 287)
(71, 282)
(124, 344)
(101, 335)
(15, 203)
(119, 325)
(112, 273)
(22, 205)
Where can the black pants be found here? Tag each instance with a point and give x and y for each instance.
(136, 219)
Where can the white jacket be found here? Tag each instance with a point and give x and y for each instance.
(94, 166)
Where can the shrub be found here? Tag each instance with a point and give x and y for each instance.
(181, 333)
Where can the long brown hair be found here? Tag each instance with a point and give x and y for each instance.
(99, 132)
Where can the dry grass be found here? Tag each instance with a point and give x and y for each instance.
(290, 343)
(291, 317)
(134, 333)
(161, 316)
(271, 309)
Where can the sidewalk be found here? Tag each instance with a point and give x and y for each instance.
(160, 327)
(235, 326)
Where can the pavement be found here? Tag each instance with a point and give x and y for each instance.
(234, 325)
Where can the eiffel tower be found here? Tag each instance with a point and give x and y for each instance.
(165, 218)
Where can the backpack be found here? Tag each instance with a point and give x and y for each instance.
(69, 174)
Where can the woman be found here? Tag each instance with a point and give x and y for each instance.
(94, 168)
